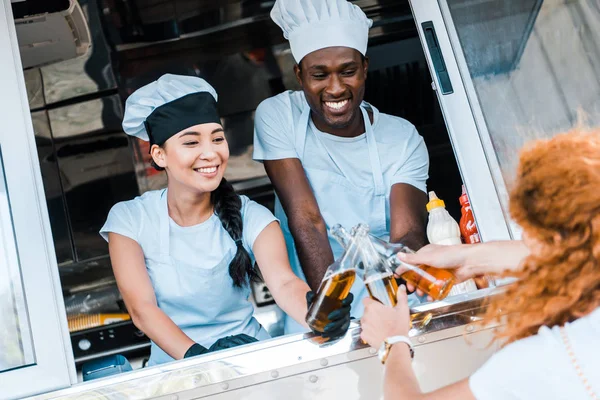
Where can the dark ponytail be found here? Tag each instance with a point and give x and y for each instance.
(228, 208)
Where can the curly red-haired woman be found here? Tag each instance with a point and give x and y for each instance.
(551, 316)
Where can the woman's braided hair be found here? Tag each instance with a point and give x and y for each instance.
(228, 208)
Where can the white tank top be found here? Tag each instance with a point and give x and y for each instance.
(539, 367)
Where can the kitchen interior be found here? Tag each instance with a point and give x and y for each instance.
(88, 164)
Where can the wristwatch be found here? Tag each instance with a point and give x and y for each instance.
(386, 346)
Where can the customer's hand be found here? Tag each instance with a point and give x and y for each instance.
(339, 319)
(449, 257)
(470, 260)
(380, 322)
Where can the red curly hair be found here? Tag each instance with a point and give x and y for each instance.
(556, 200)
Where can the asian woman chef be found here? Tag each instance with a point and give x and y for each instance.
(183, 256)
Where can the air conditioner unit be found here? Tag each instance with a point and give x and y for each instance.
(49, 37)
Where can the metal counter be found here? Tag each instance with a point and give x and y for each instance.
(302, 366)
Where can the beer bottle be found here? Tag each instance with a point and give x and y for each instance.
(342, 236)
(435, 282)
(334, 288)
(378, 275)
(375, 270)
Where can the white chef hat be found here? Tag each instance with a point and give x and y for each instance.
(312, 25)
(169, 105)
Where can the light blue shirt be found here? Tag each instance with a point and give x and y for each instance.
(539, 367)
(203, 245)
(402, 151)
(351, 177)
(190, 274)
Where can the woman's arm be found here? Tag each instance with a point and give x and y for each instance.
(401, 383)
(127, 259)
(379, 323)
(287, 289)
(469, 260)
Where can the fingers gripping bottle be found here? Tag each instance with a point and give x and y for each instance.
(442, 229)
(435, 282)
(334, 288)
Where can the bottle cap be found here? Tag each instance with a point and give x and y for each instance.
(434, 202)
(464, 197)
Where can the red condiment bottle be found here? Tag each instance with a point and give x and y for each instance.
(469, 233)
(468, 229)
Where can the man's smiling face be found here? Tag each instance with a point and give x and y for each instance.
(333, 81)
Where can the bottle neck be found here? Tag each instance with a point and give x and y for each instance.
(342, 237)
(369, 253)
(393, 258)
(437, 210)
(349, 259)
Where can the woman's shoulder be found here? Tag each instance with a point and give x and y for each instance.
(146, 201)
(589, 322)
(539, 366)
(249, 206)
(255, 215)
(550, 338)
(138, 209)
(516, 370)
(129, 217)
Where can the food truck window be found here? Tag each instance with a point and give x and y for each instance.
(33, 340)
(529, 69)
(16, 346)
(534, 66)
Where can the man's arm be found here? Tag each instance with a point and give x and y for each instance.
(304, 217)
(408, 215)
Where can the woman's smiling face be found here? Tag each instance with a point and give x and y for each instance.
(196, 157)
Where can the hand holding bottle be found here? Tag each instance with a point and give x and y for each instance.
(339, 318)
(380, 321)
(468, 260)
(439, 256)
(333, 298)
(377, 268)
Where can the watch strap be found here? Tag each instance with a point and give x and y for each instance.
(389, 342)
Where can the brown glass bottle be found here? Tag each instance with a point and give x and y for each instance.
(435, 282)
(383, 288)
(329, 298)
(334, 288)
(375, 270)
(378, 275)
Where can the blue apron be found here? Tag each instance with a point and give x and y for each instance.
(341, 202)
(201, 301)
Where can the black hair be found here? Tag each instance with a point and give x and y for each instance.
(228, 208)
(155, 165)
